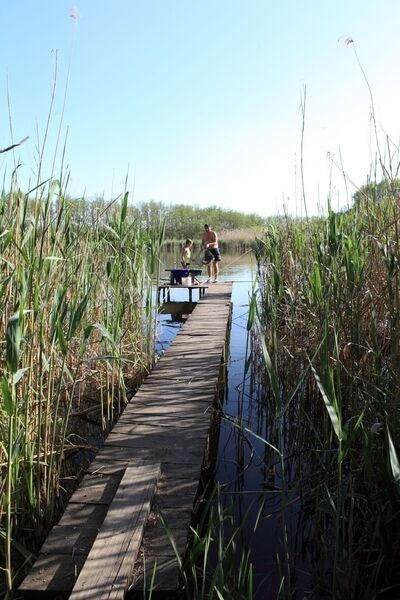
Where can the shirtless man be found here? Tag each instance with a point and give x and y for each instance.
(209, 241)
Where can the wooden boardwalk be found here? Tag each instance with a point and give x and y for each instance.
(110, 535)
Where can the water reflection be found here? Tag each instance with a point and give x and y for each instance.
(171, 315)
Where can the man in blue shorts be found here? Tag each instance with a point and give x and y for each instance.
(209, 241)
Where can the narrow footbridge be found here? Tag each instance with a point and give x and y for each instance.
(110, 536)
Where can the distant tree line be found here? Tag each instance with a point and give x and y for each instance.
(181, 220)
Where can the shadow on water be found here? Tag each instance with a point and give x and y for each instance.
(171, 316)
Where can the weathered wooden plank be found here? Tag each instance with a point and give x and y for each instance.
(53, 573)
(96, 489)
(195, 428)
(178, 409)
(158, 542)
(116, 457)
(179, 418)
(201, 318)
(176, 471)
(174, 517)
(188, 376)
(190, 343)
(69, 540)
(166, 571)
(167, 421)
(203, 325)
(83, 515)
(176, 397)
(164, 441)
(105, 574)
(157, 437)
(180, 493)
(190, 369)
(179, 363)
(189, 349)
(189, 361)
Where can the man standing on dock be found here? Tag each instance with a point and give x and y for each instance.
(209, 241)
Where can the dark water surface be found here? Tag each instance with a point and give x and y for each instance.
(243, 466)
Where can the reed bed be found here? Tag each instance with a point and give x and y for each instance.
(77, 332)
(328, 321)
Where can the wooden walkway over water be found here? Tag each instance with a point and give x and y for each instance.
(110, 535)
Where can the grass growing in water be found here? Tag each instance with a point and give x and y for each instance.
(215, 566)
(329, 312)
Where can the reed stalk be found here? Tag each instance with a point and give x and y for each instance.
(329, 316)
(77, 317)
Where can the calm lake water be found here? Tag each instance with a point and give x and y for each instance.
(242, 468)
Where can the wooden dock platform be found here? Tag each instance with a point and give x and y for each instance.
(110, 535)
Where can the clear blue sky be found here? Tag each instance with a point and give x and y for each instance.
(199, 101)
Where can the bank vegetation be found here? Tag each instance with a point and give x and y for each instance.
(329, 339)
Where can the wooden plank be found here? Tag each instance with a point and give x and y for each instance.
(180, 493)
(96, 489)
(175, 407)
(183, 360)
(176, 471)
(139, 419)
(167, 391)
(179, 469)
(189, 375)
(164, 441)
(114, 458)
(177, 419)
(166, 573)
(54, 573)
(105, 574)
(70, 540)
(196, 427)
(174, 518)
(158, 542)
(83, 515)
(182, 356)
(176, 396)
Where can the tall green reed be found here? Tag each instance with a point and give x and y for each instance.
(329, 314)
(77, 318)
